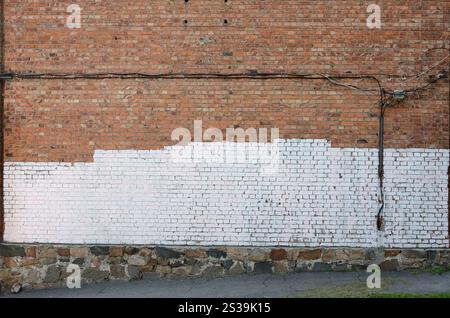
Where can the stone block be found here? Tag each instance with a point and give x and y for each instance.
(195, 253)
(137, 260)
(95, 274)
(389, 265)
(99, 250)
(278, 254)
(12, 250)
(167, 253)
(79, 252)
(313, 254)
(116, 251)
(65, 252)
(53, 274)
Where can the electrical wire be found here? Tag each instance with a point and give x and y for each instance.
(428, 69)
(250, 75)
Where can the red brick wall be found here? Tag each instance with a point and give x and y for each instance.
(289, 35)
(60, 120)
(66, 120)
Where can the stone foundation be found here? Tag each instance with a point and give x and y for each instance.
(37, 266)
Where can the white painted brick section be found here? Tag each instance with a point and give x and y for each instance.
(313, 195)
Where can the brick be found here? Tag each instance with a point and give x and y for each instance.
(67, 141)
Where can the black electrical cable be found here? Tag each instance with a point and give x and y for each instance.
(250, 75)
(380, 219)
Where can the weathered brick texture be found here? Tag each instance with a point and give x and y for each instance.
(77, 117)
(51, 124)
(290, 35)
(313, 195)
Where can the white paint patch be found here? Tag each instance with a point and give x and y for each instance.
(318, 196)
